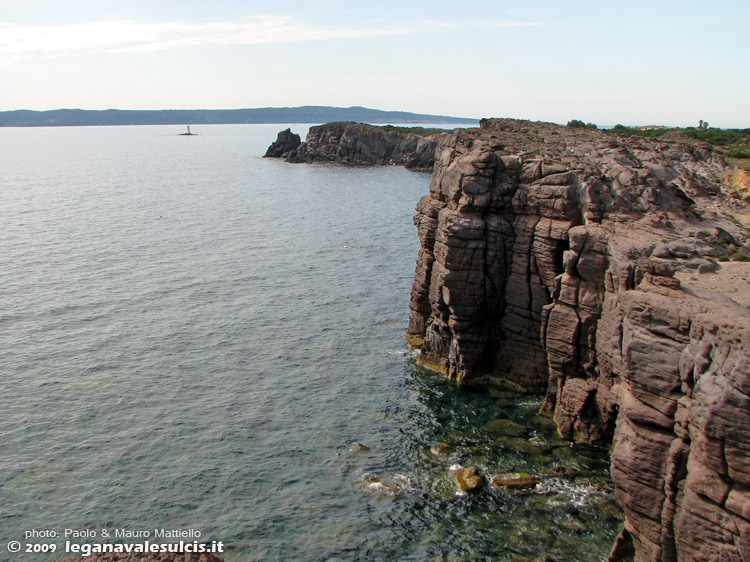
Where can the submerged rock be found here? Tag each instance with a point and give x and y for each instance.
(505, 427)
(383, 485)
(358, 448)
(443, 451)
(463, 438)
(514, 481)
(521, 445)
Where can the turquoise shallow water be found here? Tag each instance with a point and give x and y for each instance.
(194, 337)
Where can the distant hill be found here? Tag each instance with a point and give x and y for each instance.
(305, 114)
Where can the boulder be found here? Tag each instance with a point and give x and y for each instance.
(469, 479)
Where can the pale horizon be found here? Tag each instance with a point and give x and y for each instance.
(660, 63)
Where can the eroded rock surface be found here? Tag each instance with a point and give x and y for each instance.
(549, 259)
(357, 143)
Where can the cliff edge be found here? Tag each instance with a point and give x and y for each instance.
(357, 143)
(571, 260)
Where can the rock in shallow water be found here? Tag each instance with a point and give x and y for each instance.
(514, 481)
(469, 479)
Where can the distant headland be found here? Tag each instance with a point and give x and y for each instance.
(304, 114)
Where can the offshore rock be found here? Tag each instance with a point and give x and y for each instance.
(357, 143)
(551, 259)
(285, 142)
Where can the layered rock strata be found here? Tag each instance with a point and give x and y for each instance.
(548, 261)
(357, 143)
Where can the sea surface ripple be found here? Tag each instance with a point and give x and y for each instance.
(194, 337)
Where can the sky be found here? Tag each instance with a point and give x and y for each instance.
(604, 61)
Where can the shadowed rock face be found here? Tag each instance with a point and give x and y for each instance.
(285, 142)
(548, 261)
(357, 143)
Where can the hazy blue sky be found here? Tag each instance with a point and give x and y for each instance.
(631, 62)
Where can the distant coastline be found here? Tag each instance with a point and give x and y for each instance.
(281, 115)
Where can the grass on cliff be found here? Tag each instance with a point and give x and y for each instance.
(736, 139)
(743, 163)
(736, 142)
(421, 131)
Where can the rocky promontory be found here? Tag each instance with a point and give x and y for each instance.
(357, 143)
(570, 260)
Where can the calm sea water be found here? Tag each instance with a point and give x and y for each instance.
(193, 337)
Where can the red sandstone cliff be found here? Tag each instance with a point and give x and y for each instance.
(548, 260)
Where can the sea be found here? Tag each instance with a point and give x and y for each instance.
(199, 340)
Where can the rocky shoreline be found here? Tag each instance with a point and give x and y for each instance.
(578, 262)
(550, 258)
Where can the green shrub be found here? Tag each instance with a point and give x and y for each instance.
(720, 136)
(737, 153)
(421, 131)
(635, 131)
(577, 123)
(739, 255)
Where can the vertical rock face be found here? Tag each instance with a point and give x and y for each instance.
(548, 261)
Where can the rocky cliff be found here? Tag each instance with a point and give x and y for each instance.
(357, 143)
(571, 260)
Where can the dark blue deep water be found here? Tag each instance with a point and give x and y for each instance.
(194, 337)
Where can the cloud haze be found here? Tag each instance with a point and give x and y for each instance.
(19, 42)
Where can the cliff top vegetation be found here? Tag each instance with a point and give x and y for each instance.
(735, 143)
(421, 131)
